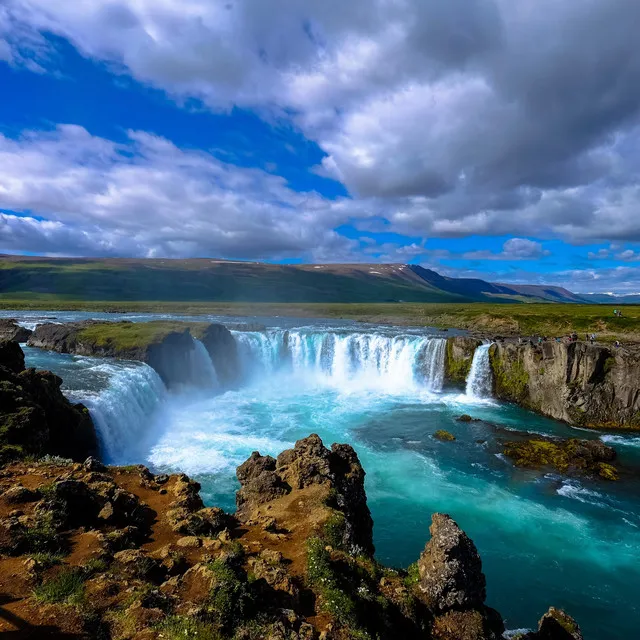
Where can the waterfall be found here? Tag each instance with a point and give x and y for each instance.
(480, 378)
(124, 411)
(202, 373)
(339, 358)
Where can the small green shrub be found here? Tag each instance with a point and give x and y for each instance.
(413, 575)
(67, 587)
(181, 627)
(230, 601)
(46, 560)
(42, 537)
(335, 600)
(334, 530)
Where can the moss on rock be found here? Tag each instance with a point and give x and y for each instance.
(584, 456)
(511, 378)
(443, 435)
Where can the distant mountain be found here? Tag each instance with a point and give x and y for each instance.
(487, 291)
(206, 280)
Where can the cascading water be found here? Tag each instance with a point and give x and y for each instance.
(339, 359)
(124, 411)
(480, 378)
(202, 373)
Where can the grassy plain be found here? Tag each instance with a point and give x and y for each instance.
(496, 319)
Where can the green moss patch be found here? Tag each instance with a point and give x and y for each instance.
(564, 456)
(122, 336)
(511, 378)
(443, 435)
(456, 369)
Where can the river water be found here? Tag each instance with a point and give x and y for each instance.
(544, 540)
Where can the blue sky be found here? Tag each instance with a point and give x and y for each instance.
(426, 132)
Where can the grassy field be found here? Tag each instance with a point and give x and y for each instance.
(532, 319)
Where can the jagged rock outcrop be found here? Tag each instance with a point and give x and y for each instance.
(555, 625)
(11, 330)
(338, 471)
(450, 568)
(453, 585)
(165, 346)
(35, 417)
(588, 385)
(458, 358)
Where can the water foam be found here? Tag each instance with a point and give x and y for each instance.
(480, 378)
(125, 410)
(626, 441)
(364, 360)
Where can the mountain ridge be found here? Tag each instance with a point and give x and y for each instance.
(206, 279)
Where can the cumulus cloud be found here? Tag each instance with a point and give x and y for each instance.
(84, 195)
(512, 249)
(456, 117)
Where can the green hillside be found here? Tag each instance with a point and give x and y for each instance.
(204, 280)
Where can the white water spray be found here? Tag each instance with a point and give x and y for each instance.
(480, 378)
(125, 411)
(338, 359)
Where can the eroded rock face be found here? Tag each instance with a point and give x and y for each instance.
(584, 384)
(264, 479)
(458, 358)
(450, 568)
(223, 351)
(35, 417)
(12, 331)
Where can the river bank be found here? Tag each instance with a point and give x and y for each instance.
(551, 320)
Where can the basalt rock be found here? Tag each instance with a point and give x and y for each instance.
(450, 568)
(310, 463)
(458, 358)
(35, 417)
(223, 351)
(304, 577)
(556, 625)
(10, 330)
(588, 385)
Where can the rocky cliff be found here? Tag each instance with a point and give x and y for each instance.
(588, 385)
(458, 358)
(165, 346)
(88, 551)
(35, 418)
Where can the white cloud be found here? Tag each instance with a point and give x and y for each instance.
(512, 249)
(147, 197)
(486, 117)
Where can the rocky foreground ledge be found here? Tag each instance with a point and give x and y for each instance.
(94, 552)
